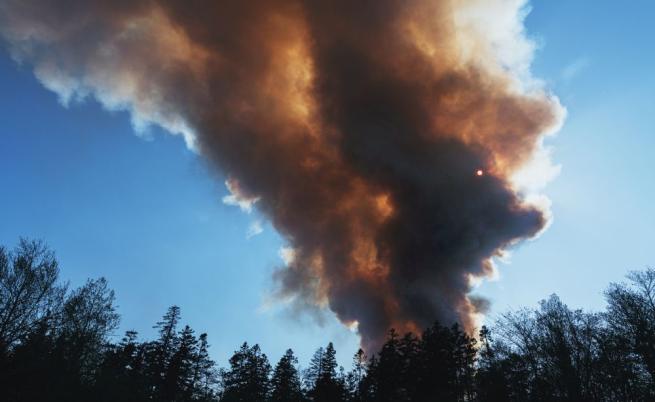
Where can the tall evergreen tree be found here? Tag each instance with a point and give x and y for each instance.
(178, 377)
(161, 352)
(389, 372)
(285, 381)
(355, 377)
(325, 386)
(204, 373)
(121, 375)
(247, 379)
(313, 372)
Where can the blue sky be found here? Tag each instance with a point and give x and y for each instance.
(147, 214)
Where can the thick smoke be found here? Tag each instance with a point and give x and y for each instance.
(384, 139)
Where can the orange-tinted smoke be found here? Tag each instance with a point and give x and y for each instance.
(359, 126)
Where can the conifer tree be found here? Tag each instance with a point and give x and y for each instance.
(354, 378)
(285, 381)
(178, 379)
(248, 376)
(204, 373)
(326, 387)
(161, 352)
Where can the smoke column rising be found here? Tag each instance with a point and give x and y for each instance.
(358, 126)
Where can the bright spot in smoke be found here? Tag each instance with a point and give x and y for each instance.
(353, 326)
(479, 172)
(287, 254)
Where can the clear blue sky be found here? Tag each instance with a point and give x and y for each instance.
(147, 213)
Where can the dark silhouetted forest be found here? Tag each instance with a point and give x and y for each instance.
(55, 346)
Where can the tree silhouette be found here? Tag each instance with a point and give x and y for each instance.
(248, 376)
(123, 375)
(55, 345)
(204, 373)
(321, 376)
(29, 292)
(354, 379)
(285, 381)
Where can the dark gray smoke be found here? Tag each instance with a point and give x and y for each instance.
(382, 138)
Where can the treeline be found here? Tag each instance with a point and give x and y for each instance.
(55, 346)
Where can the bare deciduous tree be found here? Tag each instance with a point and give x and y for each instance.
(29, 292)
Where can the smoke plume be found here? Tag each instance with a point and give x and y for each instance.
(390, 142)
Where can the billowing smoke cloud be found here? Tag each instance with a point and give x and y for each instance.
(387, 140)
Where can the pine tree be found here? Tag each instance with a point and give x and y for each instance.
(327, 387)
(285, 381)
(247, 380)
(445, 364)
(121, 375)
(354, 378)
(329, 363)
(161, 352)
(178, 379)
(204, 374)
(387, 372)
(167, 332)
(368, 387)
(313, 372)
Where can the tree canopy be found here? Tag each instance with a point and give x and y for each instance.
(56, 345)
